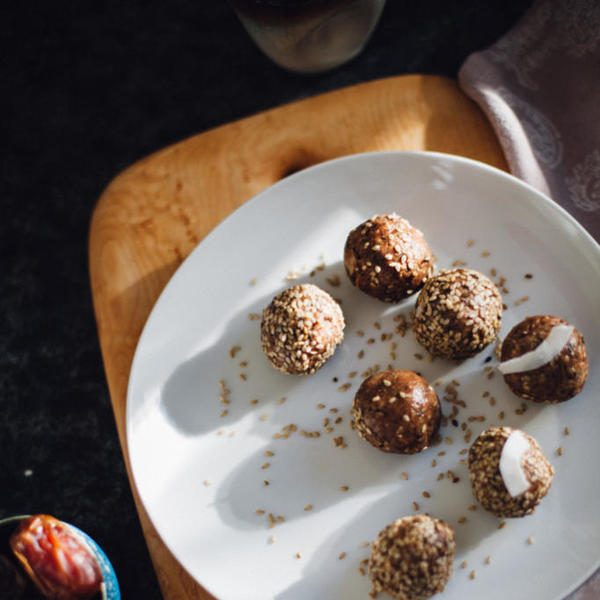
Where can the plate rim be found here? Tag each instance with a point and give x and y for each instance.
(584, 239)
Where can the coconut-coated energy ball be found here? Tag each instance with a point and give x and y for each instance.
(508, 471)
(387, 258)
(559, 379)
(412, 558)
(396, 411)
(301, 328)
(458, 313)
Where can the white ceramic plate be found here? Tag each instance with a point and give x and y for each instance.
(200, 474)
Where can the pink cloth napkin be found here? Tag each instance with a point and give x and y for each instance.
(540, 88)
(539, 85)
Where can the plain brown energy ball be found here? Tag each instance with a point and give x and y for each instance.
(301, 328)
(396, 411)
(458, 313)
(556, 381)
(387, 258)
(488, 483)
(412, 558)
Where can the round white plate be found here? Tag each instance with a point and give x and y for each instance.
(201, 472)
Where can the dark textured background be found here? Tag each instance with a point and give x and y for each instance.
(88, 88)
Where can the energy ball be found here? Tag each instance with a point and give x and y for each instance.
(552, 365)
(396, 411)
(387, 258)
(509, 472)
(411, 559)
(458, 313)
(301, 328)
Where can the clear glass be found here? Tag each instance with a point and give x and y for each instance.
(309, 36)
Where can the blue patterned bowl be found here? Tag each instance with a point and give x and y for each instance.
(110, 586)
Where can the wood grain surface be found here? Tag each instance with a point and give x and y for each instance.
(153, 214)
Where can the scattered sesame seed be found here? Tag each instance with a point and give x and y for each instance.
(361, 354)
(252, 281)
(530, 540)
(502, 525)
(426, 494)
(404, 475)
(244, 376)
(342, 556)
(339, 442)
(567, 431)
(224, 413)
(243, 364)
(472, 507)
(418, 356)
(521, 300)
(334, 280)
(344, 387)
(464, 564)
(234, 350)
(265, 465)
(462, 520)
(266, 482)
(254, 401)
(272, 539)
(308, 507)
(528, 275)
(487, 560)
(470, 243)
(205, 483)
(415, 505)
(254, 317)
(472, 575)
(344, 488)
(320, 406)
(281, 400)
(263, 417)
(298, 555)
(559, 451)
(485, 253)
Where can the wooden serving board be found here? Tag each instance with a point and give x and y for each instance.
(153, 214)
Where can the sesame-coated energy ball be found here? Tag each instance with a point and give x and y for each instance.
(458, 313)
(396, 411)
(494, 469)
(387, 258)
(301, 328)
(411, 559)
(555, 381)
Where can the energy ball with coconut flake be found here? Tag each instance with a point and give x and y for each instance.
(387, 258)
(300, 329)
(458, 313)
(544, 359)
(412, 558)
(509, 473)
(396, 411)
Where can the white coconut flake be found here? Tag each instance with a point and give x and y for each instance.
(511, 461)
(547, 351)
